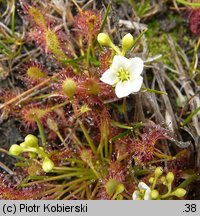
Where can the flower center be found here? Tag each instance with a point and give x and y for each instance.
(123, 74)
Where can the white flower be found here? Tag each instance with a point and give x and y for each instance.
(125, 75)
(143, 193)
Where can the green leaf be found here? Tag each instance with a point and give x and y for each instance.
(189, 118)
(154, 91)
(120, 135)
(194, 4)
(139, 37)
(105, 18)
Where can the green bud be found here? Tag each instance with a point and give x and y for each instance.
(104, 39)
(170, 177)
(47, 165)
(15, 149)
(158, 172)
(69, 87)
(127, 42)
(151, 179)
(154, 194)
(163, 180)
(24, 145)
(31, 140)
(180, 192)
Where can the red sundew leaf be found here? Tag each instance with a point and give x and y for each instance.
(9, 189)
(88, 24)
(105, 59)
(195, 21)
(30, 112)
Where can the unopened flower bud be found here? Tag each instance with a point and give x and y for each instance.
(103, 39)
(163, 180)
(15, 150)
(24, 145)
(170, 177)
(180, 192)
(31, 140)
(151, 179)
(158, 171)
(47, 165)
(127, 42)
(154, 194)
(69, 87)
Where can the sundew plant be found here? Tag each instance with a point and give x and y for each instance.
(99, 100)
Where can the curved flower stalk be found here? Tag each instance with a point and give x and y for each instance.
(125, 75)
(150, 193)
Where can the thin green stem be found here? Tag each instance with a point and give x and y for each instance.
(103, 145)
(164, 156)
(37, 151)
(45, 193)
(58, 106)
(189, 118)
(13, 19)
(60, 137)
(87, 136)
(154, 91)
(188, 181)
(115, 48)
(169, 187)
(54, 178)
(76, 191)
(66, 190)
(69, 169)
(69, 185)
(88, 55)
(95, 172)
(154, 183)
(94, 191)
(41, 130)
(194, 4)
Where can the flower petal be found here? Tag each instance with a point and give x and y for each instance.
(123, 89)
(143, 186)
(135, 66)
(136, 84)
(109, 77)
(120, 61)
(147, 194)
(135, 195)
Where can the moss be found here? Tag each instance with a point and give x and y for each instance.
(157, 36)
